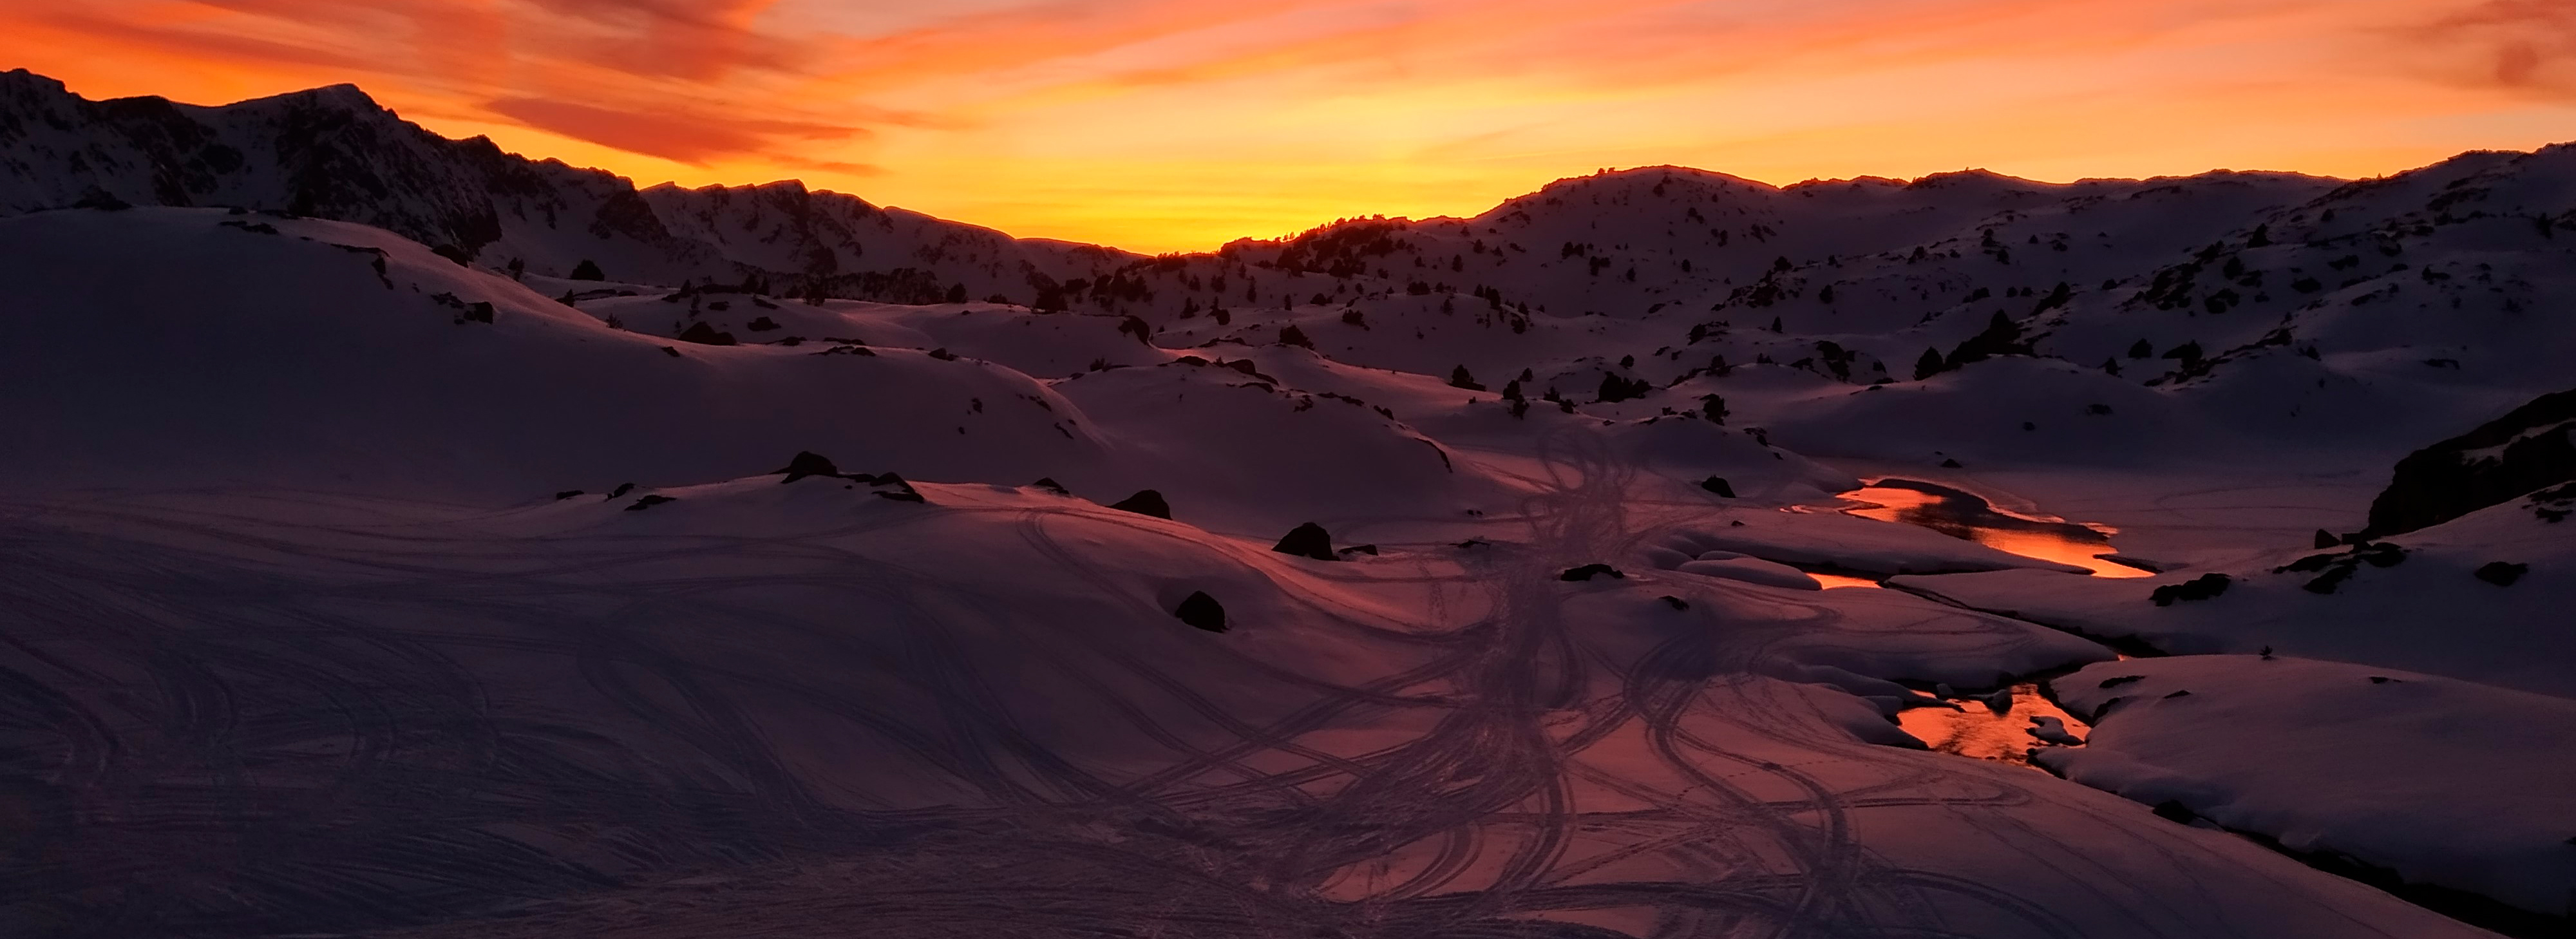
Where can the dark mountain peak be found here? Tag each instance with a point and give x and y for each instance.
(341, 97)
(1983, 180)
(335, 152)
(19, 79)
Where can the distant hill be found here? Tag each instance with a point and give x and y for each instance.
(335, 153)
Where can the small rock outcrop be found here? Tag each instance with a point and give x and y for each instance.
(1718, 485)
(1589, 571)
(1144, 502)
(705, 335)
(2531, 448)
(2501, 573)
(807, 463)
(1307, 541)
(1202, 611)
(2203, 587)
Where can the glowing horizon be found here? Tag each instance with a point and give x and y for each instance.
(1158, 125)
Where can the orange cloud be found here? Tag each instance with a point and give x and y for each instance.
(693, 138)
(1167, 124)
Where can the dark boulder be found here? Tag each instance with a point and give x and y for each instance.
(705, 335)
(2173, 811)
(1202, 611)
(1145, 502)
(567, 494)
(1675, 602)
(2502, 573)
(807, 463)
(1719, 485)
(2531, 448)
(1307, 541)
(1589, 571)
(1049, 484)
(649, 502)
(2203, 587)
(2327, 539)
(903, 491)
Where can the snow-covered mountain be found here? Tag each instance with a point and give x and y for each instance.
(1605, 565)
(334, 153)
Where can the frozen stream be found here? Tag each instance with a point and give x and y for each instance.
(1964, 515)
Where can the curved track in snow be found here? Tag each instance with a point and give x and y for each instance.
(228, 728)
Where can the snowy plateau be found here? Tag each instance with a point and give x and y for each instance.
(399, 537)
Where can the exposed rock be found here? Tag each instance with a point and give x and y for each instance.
(1307, 541)
(2203, 587)
(1719, 485)
(2327, 539)
(1674, 602)
(807, 463)
(567, 494)
(903, 491)
(649, 502)
(1367, 549)
(1202, 611)
(1589, 571)
(705, 335)
(2502, 573)
(1049, 484)
(1145, 502)
(2531, 448)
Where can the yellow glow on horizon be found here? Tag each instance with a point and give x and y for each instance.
(1159, 125)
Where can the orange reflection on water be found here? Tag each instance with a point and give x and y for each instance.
(1975, 730)
(2045, 539)
(1835, 581)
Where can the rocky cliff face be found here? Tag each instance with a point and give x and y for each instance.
(2530, 449)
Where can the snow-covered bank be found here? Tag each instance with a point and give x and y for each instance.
(2444, 782)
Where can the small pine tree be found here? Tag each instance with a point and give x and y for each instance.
(587, 270)
(1927, 366)
(2142, 350)
(1459, 378)
(957, 294)
(1292, 336)
(1713, 407)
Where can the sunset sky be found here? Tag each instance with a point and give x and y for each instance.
(1179, 124)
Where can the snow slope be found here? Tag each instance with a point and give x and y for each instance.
(358, 580)
(2444, 782)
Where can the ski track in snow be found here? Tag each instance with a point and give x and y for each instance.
(425, 778)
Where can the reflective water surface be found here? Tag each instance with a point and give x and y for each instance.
(1963, 515)
(1977, 730)
(1832, 581)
